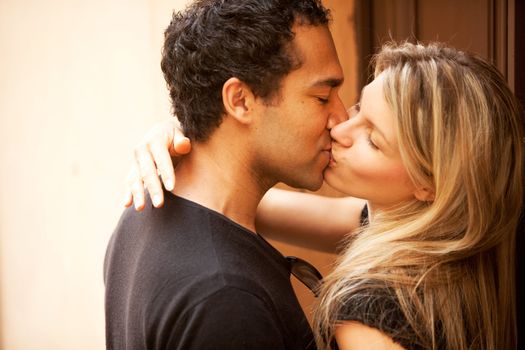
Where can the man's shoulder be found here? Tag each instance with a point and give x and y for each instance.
(177, 226)
(167, 275)
(178, 215)
(182, 245)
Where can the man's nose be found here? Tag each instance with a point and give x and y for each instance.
(338, 114)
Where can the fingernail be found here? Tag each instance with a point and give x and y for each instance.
(156, 200)
(169, 184)
(137, 204)
(126, 201)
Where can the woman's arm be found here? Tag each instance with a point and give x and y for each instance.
(308, 220)
(357, 336)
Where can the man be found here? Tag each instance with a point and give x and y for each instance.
(255, 86)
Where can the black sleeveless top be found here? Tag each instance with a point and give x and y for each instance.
(379, 308)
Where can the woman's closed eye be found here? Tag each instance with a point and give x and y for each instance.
(371, 143)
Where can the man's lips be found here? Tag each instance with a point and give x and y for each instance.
(328, 151)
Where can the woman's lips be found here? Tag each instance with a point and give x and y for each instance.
(332, 159)
(331, 162)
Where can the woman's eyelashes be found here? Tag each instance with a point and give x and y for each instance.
(371, 143)
(356, 109)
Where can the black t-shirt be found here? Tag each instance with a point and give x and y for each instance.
(186, 277)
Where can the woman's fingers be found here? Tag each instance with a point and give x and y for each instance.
(161, 149)
(148, 175)
(161, 157)
(135, 189)
(181, 144)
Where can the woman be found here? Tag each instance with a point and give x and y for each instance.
(441, 261)
(435, 149)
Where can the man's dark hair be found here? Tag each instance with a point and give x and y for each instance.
(214, 40)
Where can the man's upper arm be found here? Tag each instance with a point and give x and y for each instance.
(355, 335)
(229, 319)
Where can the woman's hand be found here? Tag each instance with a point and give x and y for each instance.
(155, 155)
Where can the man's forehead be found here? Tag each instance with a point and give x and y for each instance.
(314, 45)
(308, 33)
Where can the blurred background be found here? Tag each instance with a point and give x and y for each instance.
(80, 83)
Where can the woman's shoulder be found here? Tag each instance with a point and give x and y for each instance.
(378, 309)
(355, 335)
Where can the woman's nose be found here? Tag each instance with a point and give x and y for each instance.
(342, 133)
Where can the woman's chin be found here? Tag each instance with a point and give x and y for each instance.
(334, 183)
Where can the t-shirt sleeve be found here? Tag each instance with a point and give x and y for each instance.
(228, 319)
(379, 309)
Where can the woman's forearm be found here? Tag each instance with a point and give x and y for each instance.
(308, 220)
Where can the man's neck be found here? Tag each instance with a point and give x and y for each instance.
(222, 181)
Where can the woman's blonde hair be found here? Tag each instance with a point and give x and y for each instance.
(449, 262)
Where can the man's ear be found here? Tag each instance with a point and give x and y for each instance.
(424, 195)
(238, 100)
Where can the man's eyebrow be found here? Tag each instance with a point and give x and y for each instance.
(331, 82)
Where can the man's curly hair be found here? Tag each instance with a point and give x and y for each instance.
(214, 40)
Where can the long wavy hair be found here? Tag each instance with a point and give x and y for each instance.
(449, 263)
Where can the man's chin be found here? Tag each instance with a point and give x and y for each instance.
(306, 184)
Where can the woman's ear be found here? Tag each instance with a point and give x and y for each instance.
(238, 100)
(424, 195)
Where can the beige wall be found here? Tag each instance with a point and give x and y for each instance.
(79, 83)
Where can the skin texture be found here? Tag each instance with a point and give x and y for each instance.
(366, 161)
(308, 220)
(296, 124)
(356, 336)
(260, 143)
(293, 137)
(154, 154)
